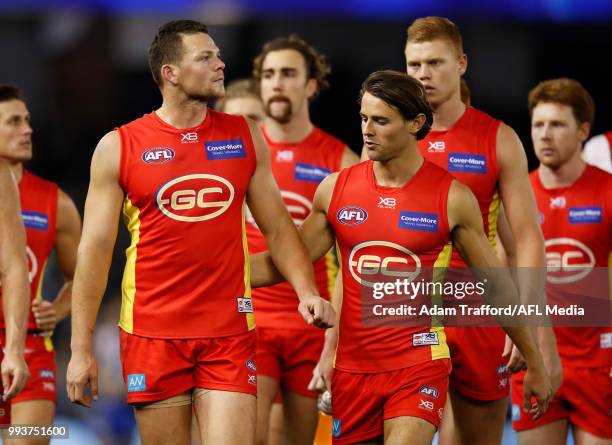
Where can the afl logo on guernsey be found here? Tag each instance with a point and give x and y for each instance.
(351, 215)
(372, 261)
(567, 260)
(158, 155)
(194, 198)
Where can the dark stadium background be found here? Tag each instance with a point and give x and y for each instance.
(82, 66)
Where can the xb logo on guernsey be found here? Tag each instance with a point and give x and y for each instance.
(567, 260)
(194, 198)
(372, 260)
(158, 155)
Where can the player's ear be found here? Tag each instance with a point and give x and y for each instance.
(584, 129)
(414, 125)
(463, 63)
(169, 73)
(311, 88)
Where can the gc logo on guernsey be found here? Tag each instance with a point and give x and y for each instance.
(32, 263)
(377, 259)
(567, 260)
(196, 197)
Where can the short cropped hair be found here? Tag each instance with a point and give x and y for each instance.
(167, 45)
(567, 92)
(10, 92)
(237, 89)
(402, 92)
(316, 66)
(427, 29)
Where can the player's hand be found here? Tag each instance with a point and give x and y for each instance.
(317, 311)
(45, 315)
(536, 383)
(552, 363)
(15, 374)
(82, 379)
(322, 373)
(517, 362)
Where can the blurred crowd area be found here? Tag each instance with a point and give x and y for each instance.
(84, 75)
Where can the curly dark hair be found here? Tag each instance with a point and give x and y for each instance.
(316, 66)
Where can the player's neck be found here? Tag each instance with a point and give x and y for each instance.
(563, 176)
(182, 113)
(399, 170)
(447, 113)
(296, 130)
(16, 169)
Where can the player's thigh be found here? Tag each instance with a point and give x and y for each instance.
(582, 437)
(267, 388)
(276, 432)
(169, 425)
(301, 416)
(469, 429)
(31, 412)
(447, 426)
(225, 417)
(408, 430)
(554, 433)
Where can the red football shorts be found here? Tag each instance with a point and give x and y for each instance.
(155, 369)
(361, 402)
(289, 355)
(584, 398)
(479, 366)
(40, 358)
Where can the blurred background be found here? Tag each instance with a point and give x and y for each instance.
(82, 66)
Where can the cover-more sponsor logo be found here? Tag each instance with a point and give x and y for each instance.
(585, 215)
(230, 149)
(35, 220)
(158, 155)
(424, 222)
(351, 215)
(194, 198)
(567, 260)
(467, 163)
(371, 261)
(310, 173)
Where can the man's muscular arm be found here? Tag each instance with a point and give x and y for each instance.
(469, 238)
(15, 286)
(68, 233)
(522, 215)
(287, 251)
(102, 208)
